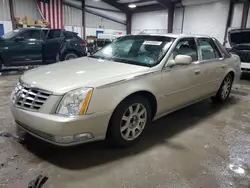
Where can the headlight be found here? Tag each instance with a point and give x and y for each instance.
(75, 102)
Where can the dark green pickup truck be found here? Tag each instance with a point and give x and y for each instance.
(37, 46)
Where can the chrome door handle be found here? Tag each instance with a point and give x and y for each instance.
(197, 72)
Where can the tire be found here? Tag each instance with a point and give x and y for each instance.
(70, 55)
(225, 89)
(1, 65)
(129, 121)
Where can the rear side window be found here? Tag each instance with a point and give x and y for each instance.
(223, 50)
(68, 35)
(44, 32)
(208, 49)
(55, 33)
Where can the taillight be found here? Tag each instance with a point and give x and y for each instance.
(83, 44)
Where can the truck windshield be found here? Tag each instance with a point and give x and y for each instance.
(10, 35)
(144, 50)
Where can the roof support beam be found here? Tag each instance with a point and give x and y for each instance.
(129, 23)
(148, 8)
(117, 5)
(245, 15)
(83, 20)
(229, 21)
(170, 19)
(12, 16)
(165, 3)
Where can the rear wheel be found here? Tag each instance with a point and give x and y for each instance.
(225, 89)
(70, 55)
(129, 121)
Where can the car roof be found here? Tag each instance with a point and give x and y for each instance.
(172, 35)
(34, 28)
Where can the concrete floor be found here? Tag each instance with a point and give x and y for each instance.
(205, 145)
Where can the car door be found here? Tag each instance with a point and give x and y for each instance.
(52, 44)
(211, 67)
(27, 48)
(179, 83)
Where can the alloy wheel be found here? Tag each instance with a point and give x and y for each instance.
(133, 122)
(227, 84)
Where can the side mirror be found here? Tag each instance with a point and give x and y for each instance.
(19, 39)
(183, 60)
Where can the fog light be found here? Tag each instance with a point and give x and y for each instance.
(73, 138)
(83, 136)
(64, 139)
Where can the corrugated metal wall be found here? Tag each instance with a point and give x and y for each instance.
(150, 22)
(4, 10)
(72, 16)
(26, 8)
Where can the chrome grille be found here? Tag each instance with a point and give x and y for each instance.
(29, 97)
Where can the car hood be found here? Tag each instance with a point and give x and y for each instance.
(239, 37)
(62, 77)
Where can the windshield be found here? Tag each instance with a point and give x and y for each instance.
(10, 35)
(138, 50)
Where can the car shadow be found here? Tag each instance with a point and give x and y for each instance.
(98, 153)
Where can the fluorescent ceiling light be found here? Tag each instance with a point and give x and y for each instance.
(132, 5)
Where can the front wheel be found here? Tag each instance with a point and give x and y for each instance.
(225, 89)
(129, 121)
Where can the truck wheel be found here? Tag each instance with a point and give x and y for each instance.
(225, 89)
(70, 55)
(129, 121)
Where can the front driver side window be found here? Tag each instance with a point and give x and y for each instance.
(185, 46)
(31, 35)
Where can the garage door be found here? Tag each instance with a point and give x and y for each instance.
(209, 19)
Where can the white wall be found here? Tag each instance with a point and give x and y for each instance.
(4, 10)
(26, 8)
(248, 19)
(151, 22)
(72, 16)
(209, 19)
(237, 16)
(7, 26)
(178, 20)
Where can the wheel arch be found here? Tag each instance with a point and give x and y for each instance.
(147, 94)
(68, 51)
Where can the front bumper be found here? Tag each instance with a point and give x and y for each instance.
(48, 127)
(245, 67)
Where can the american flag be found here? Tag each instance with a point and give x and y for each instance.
(51, 11)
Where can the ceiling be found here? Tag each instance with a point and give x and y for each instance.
(143, 5)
